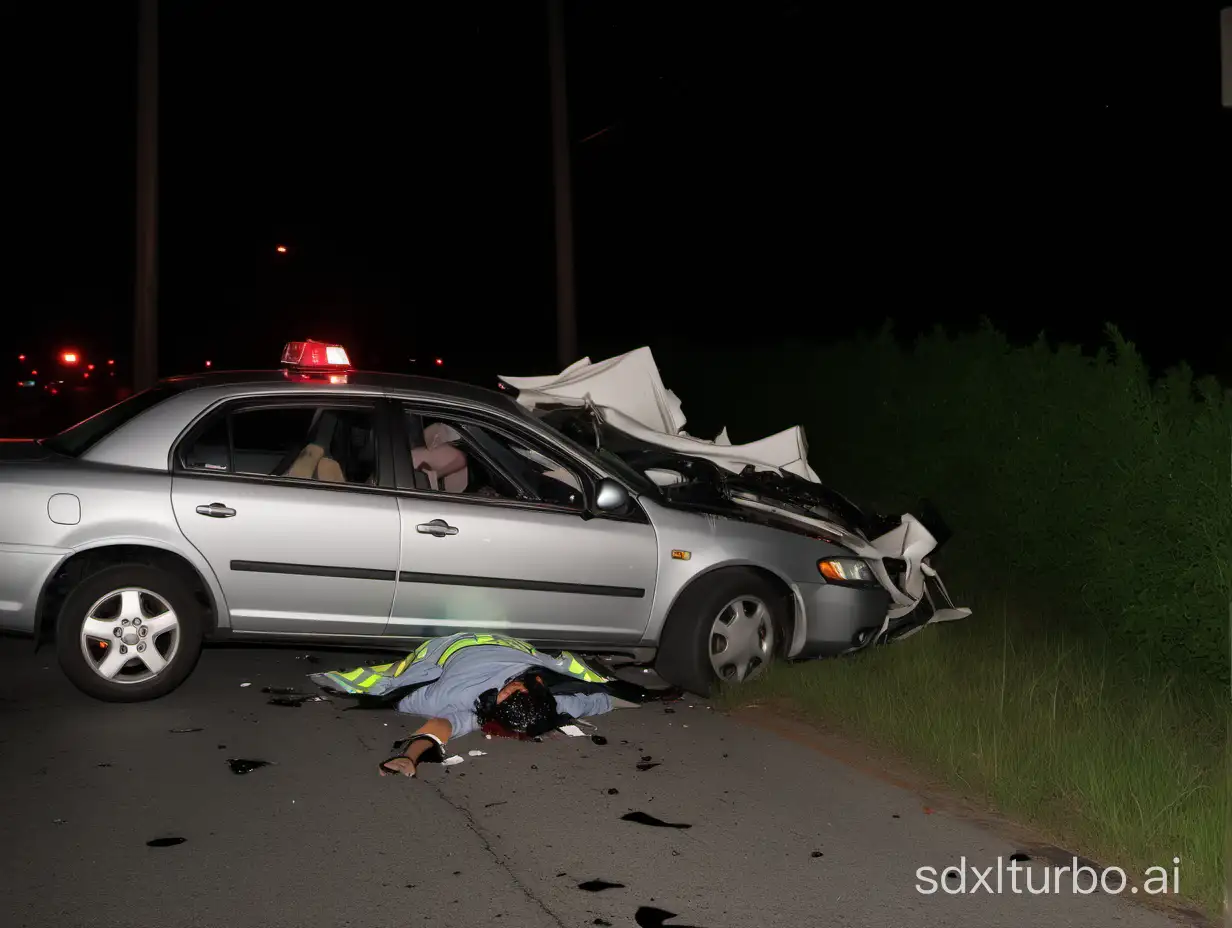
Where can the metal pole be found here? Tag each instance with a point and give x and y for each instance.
(566, 307)
(1225, 43)
(145, 319)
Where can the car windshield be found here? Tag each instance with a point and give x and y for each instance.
(76, 440)
(576, 426)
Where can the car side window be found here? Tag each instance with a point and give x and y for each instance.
(455, 456)
(331, 445)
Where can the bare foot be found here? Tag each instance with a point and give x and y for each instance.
(398, 765)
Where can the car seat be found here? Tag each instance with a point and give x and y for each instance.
(441, 460)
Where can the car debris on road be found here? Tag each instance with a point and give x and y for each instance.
(467, 682)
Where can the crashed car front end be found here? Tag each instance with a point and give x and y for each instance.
(888, 590)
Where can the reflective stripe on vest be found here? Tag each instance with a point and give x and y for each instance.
(580, 670)
(363, 678)
(472, 640)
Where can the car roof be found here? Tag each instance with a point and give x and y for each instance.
(144, 440)
(364, 381)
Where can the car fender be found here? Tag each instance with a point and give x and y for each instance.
(177, 545)
(693, 545)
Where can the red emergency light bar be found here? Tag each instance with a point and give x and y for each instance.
(310, 355)
(312, 360)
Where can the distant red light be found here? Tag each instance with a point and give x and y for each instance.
(90, 367)
(208, 363)
(281, 249)
(21, 357)
(86, 375)
(439, 362)
(111, 362)
(34, 373)
(69, 357)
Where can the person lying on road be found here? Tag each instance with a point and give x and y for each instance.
(465, 682)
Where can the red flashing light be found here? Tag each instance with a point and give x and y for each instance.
(90, 367)
(111, 362)
(69, 357)
(309, 360)
(34, 373)
(208, 363)
(21, 357)
(439, 362)
(86, 375)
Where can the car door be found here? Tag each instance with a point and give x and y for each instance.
(496, 536)
(284, 499)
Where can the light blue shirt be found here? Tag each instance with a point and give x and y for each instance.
(475, 670)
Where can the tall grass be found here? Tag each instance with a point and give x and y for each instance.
(1092, 514)
(1129, 768)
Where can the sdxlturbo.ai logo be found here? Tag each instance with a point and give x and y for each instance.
(1038, 881)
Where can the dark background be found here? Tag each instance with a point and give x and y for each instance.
(744, 172)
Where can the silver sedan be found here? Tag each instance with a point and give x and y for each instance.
(379, 509)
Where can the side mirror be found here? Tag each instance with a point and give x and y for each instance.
(611, 496)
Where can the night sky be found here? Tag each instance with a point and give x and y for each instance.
(743, 172)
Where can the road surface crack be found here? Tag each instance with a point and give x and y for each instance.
(500, 861)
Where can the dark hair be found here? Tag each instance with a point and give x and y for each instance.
(531, 712)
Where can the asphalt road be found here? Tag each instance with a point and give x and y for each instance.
(781, 835)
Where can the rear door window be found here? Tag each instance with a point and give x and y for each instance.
(300, 442)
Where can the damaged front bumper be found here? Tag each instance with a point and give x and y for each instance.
(914, 595)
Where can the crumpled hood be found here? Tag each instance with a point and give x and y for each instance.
(771, 477)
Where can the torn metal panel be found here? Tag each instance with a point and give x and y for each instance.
(622, 407)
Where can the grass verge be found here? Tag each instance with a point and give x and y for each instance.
(1120, 764)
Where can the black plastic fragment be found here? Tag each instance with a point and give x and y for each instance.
(817, 854)
(491, 804)
(1020, 857)
(647, 916)
(598, 739)
(185, 731)
(242, 765)
(647, 766)
(598, 886)
(613, 791)
(165, 842)
(291, 702)
(641, 818)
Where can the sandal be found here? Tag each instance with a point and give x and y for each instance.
(381, 766)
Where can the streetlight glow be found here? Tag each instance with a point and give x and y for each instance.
(281, 249)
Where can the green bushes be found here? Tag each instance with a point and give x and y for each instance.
(1073, 483)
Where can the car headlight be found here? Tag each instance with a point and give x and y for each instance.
(847, 570)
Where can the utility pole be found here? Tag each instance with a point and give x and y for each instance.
(1225, 44)
(566, 305)
(145, 318)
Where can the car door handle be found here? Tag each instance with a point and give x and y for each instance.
(438, 527)
(216, 511)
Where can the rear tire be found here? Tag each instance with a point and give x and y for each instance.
(728, 626)
(129, 633)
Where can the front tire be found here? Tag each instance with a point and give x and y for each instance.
(129, 633)
(728, 627)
